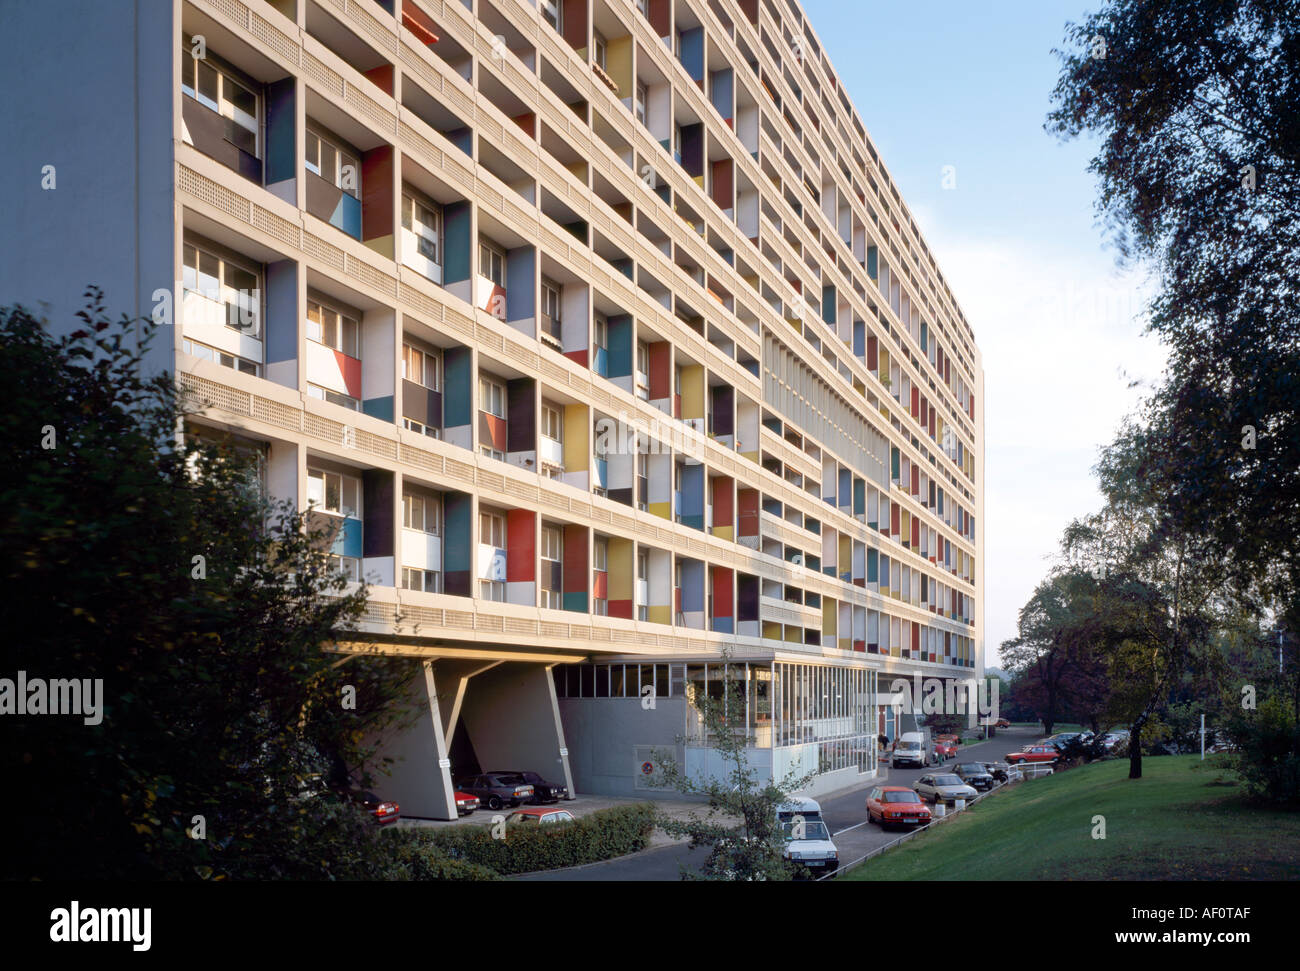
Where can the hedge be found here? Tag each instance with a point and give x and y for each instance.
(602, 835)
(413, 861)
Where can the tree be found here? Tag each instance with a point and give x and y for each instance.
(740, 828)
(149, 560)
(1195, 106)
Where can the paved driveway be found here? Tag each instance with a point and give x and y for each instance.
(845, 814)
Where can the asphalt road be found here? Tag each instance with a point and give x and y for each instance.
(845, 815)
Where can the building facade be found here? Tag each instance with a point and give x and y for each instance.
(596, 327)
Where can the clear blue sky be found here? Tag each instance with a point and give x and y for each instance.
(968, 85)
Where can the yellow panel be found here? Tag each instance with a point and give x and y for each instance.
(659, 614)
(693, 391)
(618, 64)
(664, 510)
(723, 532)
(576, 432)
(621, 568)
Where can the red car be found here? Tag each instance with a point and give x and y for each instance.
(945, 749)
(1034, 753)
(537, 816)
(465, 803)
(896, 806)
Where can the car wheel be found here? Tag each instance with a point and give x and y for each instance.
(494, 802)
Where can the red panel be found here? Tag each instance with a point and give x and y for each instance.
(526, 122)
(872, 354)
(577, 357)
(724, 492)
(916, 637)
(383, 77)
(575, 558)
(350, 368)
(894, 528)
(916, 481)
(970, 405)
(496, 429)
(723, 183)
(723, 582)
(377, 212)
(521, 553)
(748, 500)
(621, 609)
(933, 414)
(417, 22)
(661, 370)
(916, 401)
(600, 585)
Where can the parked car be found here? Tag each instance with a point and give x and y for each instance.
(465, 803)
(943, 787)
(498, 789)
(944, 750)
(896, 806)
(381, 810)
(536, 816)
(1000, 771)
(811, 845)
(1000, 723)
(1062, 739)
(543, 791)
(1116, 742)
(1034, 753)
(909, 750)
(974, 774)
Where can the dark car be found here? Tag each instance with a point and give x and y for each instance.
(997, 769)
(974, 775)
(543, 791)
(498, 789)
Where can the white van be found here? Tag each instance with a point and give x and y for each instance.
(807, 838)
(909, 750)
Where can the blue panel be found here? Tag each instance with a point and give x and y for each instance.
(872, 262)
(845, 492)
(828, 305)
(459, 540)
(281, 311)
(720, 90)
(521, 283)
(458, 399)
(723, 625)
(692, 586)
(620, 346)
(873, 566)
(281, 153)
(693, 496)
(859, 497)
(925, 336)
(348, 541)
(692, 52)
(457, 242)
(576, 601)
(859, 338)
(347, 215)
(602, 473)
(379, 407)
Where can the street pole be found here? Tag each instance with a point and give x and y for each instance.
(1202, 736)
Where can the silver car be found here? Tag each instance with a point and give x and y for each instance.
(943, 787)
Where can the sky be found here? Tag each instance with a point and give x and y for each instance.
(1019, 241)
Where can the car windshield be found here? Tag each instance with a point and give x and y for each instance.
(509, 780)
(977, 769)
(947, 780)
(812, 830)
(521, 818)
(901, 797)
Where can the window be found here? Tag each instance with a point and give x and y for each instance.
(599, 49)
(427, 581)
(333, 397)
(492, 263)
(552, 423)
(600, 334)
(222, 289)
(421, 512)
(421, 428)
(643, 370)
(642, 480)
(644, 7)
(334, 492)
(552, 13)
(327, 326)
(424, 223)
(333, 164)
(492, 397)
(492, 529)
(214, 86)
(640, 102)
(643, 564)
(552, 572)
(550, 309)
(221, 357)
(420, 366)
(600, 555)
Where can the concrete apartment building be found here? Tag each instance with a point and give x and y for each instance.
(597, 327)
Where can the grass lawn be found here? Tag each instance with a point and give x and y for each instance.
(1175, 823)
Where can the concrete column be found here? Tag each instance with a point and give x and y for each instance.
(421, 772)
(513, 720)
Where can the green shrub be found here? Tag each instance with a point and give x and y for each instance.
(411, 860)
(1268, 751)
(602, 835)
